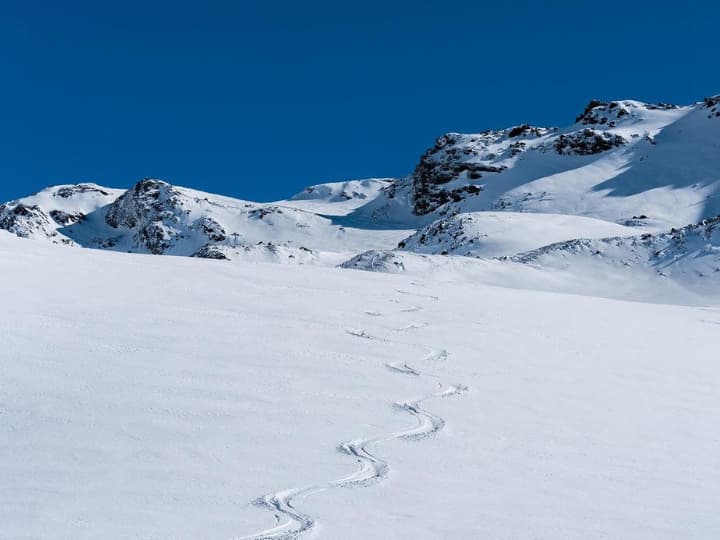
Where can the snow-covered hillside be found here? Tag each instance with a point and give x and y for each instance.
(690, 255)
(158, 218)
(184, 399)
(492, 234)
(40, 216)
(619, 161)
(338, 198)
(678, 265)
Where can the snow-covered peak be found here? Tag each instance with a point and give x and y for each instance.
(337, 198)
(41, 215)
(620, 159)
(26, 221)
(342, 191)
(612, 113)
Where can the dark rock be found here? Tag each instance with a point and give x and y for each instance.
(25, 220)
(65, 219)
(587, 142)
(69, 191)
(211, 251)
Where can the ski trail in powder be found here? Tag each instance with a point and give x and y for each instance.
(293, 523)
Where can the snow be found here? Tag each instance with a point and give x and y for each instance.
(337, 198)
(156, 217)
(157, 397)
(493, 234)
(529, 354)
(667, 170)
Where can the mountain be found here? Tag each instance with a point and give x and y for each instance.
(43, 215)
(618, 161)
(623, 170)
(158, 218)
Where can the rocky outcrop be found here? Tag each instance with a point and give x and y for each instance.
(26, 220)
(445, 236)
(211, 228)
(66, 218)
(713, 105)
(153, 210)
(609, 113)
(376, 261)
(453, 157)
(65, 192)
(212, 251)
(587, 142)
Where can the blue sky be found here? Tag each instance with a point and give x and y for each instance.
(259, 99)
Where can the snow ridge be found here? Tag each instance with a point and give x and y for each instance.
(693, 249)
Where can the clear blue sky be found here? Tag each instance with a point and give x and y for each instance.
(259, 99)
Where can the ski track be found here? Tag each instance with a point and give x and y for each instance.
(402, 367)
(411, 326)
(359, 332)
(293, 523)
(371, 468)
(429, 296)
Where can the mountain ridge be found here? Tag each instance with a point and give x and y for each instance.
(623, 169)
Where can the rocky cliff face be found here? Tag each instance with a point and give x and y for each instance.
(26, 221)
(459, 166)
(452, 169)
(153, 211)
(159, 216)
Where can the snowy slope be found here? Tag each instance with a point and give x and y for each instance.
(680, 265)
(492, 234)
(690, 255)
(158, 397)
(40, 216)
(338, 198)
(619, 161)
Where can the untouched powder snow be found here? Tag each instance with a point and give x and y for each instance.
(177, 398)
